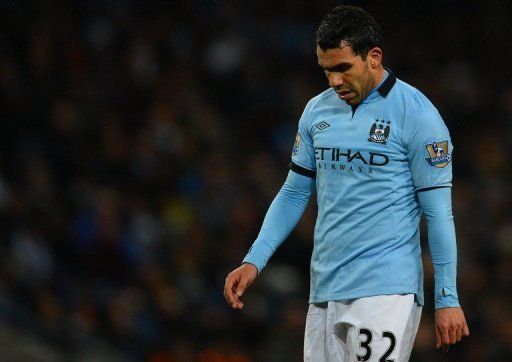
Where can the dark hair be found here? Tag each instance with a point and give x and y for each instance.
(353, 25)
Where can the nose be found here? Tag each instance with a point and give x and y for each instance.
(335, 79)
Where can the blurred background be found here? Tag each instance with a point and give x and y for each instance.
(142, 142)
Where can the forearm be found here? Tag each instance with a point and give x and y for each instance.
(282, 216)
(437, 207)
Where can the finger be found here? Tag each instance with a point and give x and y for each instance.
(235, 303)
(227, 294)
(465, 330)
(228, 289)
(234, 293)
(453, 335)
(459, 334)
(240, 289)
(445, 336)
(438, 338)
(231, 291)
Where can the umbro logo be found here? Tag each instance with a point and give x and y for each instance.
(322, 125)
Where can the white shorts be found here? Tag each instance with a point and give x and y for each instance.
(380, 328)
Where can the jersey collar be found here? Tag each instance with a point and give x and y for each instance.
(383, 88)
(388, 83)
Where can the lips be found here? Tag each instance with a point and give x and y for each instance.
(343, 94)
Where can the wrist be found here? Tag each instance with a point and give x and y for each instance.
(251, 265)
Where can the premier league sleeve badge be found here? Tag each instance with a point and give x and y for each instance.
(296, 144)
(439, 155)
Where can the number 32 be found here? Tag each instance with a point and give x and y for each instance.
(368, 351)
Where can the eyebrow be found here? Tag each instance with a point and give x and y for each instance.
(341, 67)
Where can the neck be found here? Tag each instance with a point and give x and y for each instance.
(379, 77)
(376, 78)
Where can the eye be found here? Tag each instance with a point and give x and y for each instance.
(341, 68)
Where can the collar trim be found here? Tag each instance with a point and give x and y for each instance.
(386, 86)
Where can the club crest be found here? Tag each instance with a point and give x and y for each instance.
(379, 133)
(439, 155)
(296, 144)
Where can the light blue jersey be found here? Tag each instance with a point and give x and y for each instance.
(368, 164)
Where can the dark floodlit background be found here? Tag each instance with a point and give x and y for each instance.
(141, 144)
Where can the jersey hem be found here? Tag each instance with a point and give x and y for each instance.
(363, 293)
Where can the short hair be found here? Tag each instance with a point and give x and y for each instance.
(350, 24)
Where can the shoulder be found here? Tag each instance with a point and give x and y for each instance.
(317, 104)
(421, 117)
(416, 103)
(324, 98)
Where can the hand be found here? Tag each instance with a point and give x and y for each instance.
(451, 326)
(236, 283)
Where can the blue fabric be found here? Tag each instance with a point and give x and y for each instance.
(368, 167)
(282, 216)
(437, 208)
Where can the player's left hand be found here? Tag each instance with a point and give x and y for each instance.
(451, 326)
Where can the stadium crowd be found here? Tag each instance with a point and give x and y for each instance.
(142, 142)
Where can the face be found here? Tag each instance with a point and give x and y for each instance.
(349, 75)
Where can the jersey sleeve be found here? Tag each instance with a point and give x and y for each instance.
(428, 144)
(437, 208)
(303, 151)
(282, 216)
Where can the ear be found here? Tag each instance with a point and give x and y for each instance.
(375, 57)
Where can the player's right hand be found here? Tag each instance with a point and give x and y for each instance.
(236, 283)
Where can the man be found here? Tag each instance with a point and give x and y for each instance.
(371, 146)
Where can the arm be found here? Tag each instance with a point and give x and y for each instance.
(429, 152)
(450, 321)
(282, 216)
(437, 208)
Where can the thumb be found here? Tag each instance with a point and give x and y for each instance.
(241, 288)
